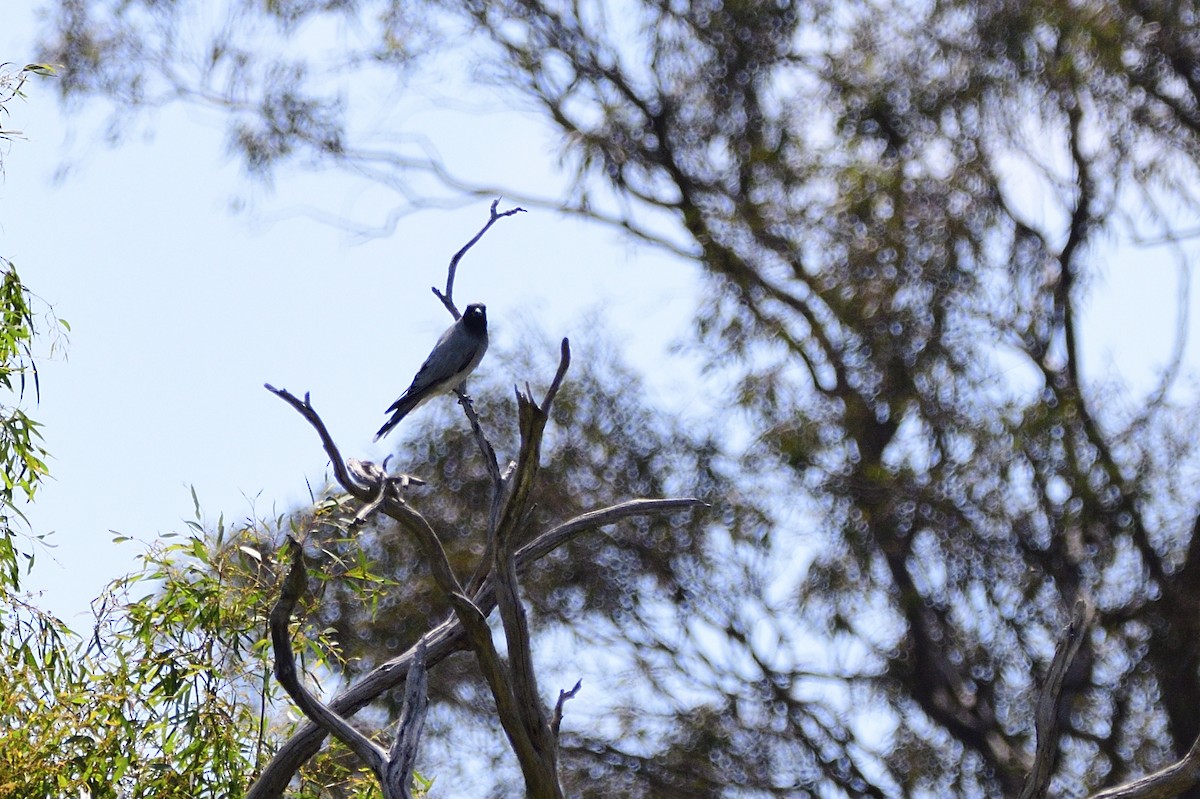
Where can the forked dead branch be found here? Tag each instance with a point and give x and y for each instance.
(531, 728)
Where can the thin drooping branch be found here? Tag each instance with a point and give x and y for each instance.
(381, 166)
(1048, 703)
(393, 769)
(447, 298)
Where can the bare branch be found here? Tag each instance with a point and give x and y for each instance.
(448, 297)
(340, 471)
(529, 731)
(443, 640)
(1047, 708)
(541, 780)
(1166, 783)
(393, 769)
(493, 468)
(552, 539)
(485, 448)
(431, 546)
(514, 688)
(564, 361)
(367, 751)
(403, 754)
(368, 473)
(563, 696)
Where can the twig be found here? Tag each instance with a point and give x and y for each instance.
(306, 410)
(366, 487)
(485, 446)
(493, 469)
(564, 361)
(448, 298)
(563, 696)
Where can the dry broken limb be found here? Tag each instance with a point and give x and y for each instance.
(532, 736)
(521, 711)
(370, 473)
(513, 685)
(393, 767)
(1166, 783)
(1046, 725)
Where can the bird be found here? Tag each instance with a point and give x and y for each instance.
(456, 354)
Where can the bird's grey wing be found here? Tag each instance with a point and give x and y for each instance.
(451, 355)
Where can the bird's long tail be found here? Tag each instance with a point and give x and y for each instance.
(387, 426)
(402, 407)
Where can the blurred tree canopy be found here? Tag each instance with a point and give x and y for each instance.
(898, 210)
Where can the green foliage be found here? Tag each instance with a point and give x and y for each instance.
(12, 84)
(22, 455)
(172, 695)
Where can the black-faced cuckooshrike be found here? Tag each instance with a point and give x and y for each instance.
(456, 354)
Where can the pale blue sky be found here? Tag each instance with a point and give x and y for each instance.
(181, 310)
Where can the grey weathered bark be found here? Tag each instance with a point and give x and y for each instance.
(531, 730)
(393, 767)
(514, 687)
(1165, 783)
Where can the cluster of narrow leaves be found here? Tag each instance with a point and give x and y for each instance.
(172, 694)
(22, 456)
(12, 85)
